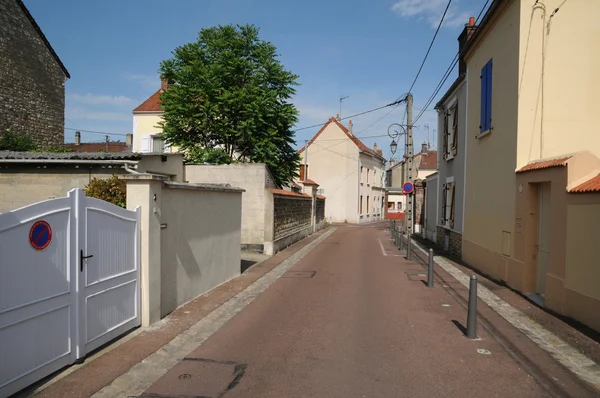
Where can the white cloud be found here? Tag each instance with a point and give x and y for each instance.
(91, 99)
(147, 82)
(431, 11)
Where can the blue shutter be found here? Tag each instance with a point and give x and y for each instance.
(488, 92)
(483, 108)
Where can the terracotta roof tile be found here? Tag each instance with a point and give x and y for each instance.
(309, 182)
(98, 147)
(591, 185)
(545, 164)
(288, 193)
(428, 160)
(352, 137)
(152, 104)
(320, 197)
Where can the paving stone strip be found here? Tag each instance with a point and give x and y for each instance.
(142, 375)
(567, 355)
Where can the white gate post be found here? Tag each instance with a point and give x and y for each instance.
(145, 190)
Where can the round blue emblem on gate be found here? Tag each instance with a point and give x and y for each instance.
(40, 235)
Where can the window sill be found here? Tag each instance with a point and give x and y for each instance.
(484, 134)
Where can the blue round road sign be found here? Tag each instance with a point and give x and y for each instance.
(408, 187)
(40, 235)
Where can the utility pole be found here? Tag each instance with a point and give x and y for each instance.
(107, 140)
(305, 159)
(409, 162)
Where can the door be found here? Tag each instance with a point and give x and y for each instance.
(109, 272)
(543, 243)
(69, 283)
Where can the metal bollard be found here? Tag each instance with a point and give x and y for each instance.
(401, 241)
(408, 247)
(472, 311)
(430, 269)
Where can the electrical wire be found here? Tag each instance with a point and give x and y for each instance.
(95, 132)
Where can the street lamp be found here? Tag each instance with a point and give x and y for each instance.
(393, 146)
(395, 133)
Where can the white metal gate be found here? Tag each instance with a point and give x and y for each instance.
(69, 283)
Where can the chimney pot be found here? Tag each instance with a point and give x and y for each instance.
(350, 126)
(424, 147)
(164, 84)
(471, 21)
(128, 140)
(77, 138)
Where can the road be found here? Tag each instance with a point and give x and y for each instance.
(351, 319)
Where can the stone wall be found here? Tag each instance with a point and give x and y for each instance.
(419, 198)
(32, 83)
(292, 214)
(454, 246)
(320, 210)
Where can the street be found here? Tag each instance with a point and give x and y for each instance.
(349, 321)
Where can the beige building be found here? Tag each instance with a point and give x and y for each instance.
(523, 61)
(350, 175)
(146, 129)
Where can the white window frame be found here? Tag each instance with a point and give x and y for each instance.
(151, 136)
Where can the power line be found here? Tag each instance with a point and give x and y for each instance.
(95, 132)
(430, 45)
(449, 70)
(351, 116)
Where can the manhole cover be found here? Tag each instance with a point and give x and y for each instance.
(185, 376)
(299, 274)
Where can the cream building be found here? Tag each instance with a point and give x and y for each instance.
(145, 125)
(532, 100)
(349, 174)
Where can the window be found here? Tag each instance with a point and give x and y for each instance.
(450, 132)
(368, 209)
(367, 183)
(360, 205)
(486, 98)
(448, 200)
(153, 143)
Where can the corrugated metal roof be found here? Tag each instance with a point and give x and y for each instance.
(6, 155)
(591, 185)
(545, 164)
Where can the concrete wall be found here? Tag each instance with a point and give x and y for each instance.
(255, 179)
(32, 83)
(491, 159)
(170, 165)
(570, 64)
(190, 240)
(200, 246)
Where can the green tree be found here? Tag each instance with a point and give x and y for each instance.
(228, 101)
(10, 141)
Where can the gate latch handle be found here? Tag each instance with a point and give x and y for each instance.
(81, 258)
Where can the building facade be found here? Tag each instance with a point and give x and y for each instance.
(32, 78)
(146, 128)
(351, 175)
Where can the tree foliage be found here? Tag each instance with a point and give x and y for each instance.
(228, 101)
(10, 141)
(113, 190)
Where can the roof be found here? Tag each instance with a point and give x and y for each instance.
(309, 182)
(8, 155)
(428, 160)
(43, 37)
(288, 193)
(450, 91)
(545, 164)
(352, 137)
(152, 104)
(591, 185)
(320, 197)
(98, 147)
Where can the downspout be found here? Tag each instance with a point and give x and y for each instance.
(542, 6)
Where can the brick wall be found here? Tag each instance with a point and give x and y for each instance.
(32, 92)
(291, 214)
(320, 210)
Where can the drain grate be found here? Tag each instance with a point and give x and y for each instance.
(299, 274)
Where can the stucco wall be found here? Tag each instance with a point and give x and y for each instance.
(145, 124)
(32, 83)
(333, 164)
(491, 159)
(24, 185)
(252, 177)
(371, 188)
(570, 64)
(169, 164)
(200, 246)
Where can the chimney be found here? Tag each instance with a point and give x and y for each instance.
(128, 140)
(424, 147)
(349, 126)
(463, 39)
(392, 162)
(338, 118)
(77, 138)
(164, 84)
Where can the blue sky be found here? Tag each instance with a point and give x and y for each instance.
(369, 51)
